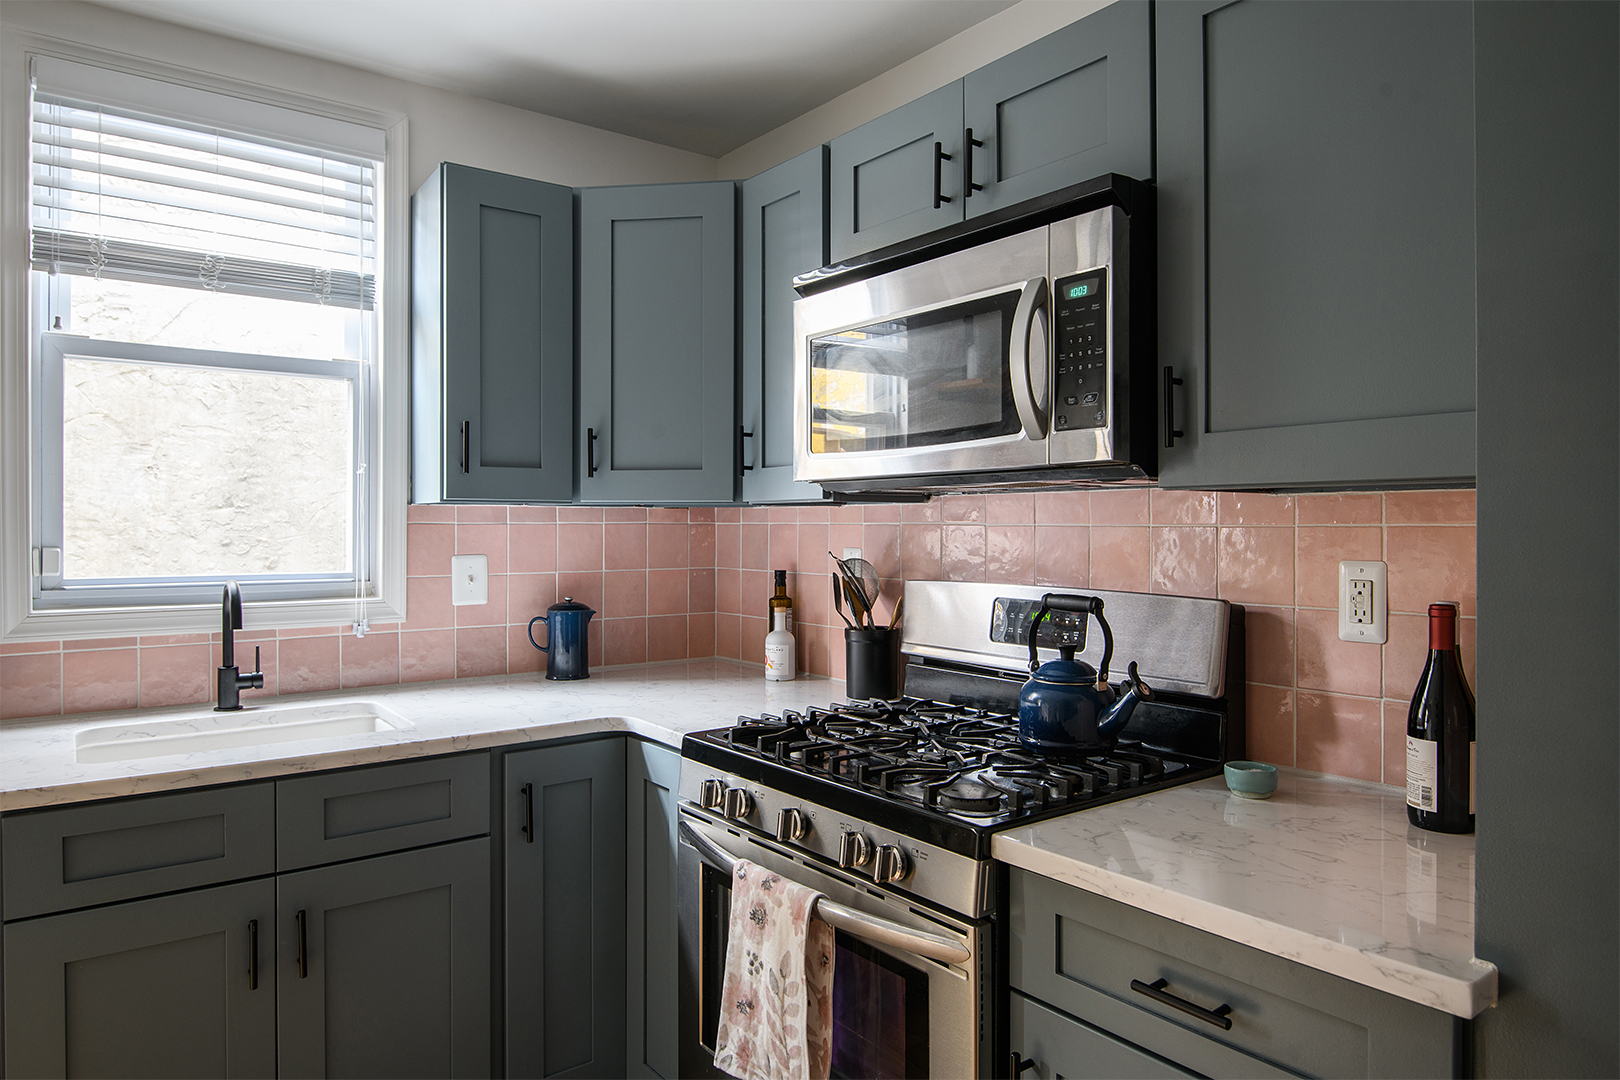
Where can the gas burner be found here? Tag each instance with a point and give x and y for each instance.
(970, 797)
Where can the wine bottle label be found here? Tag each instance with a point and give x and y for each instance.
(1422, 773)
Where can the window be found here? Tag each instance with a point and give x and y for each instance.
(207, 377)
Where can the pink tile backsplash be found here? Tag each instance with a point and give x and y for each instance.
(673, 583)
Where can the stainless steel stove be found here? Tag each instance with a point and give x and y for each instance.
(888, 808)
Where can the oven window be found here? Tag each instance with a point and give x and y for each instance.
(929, 379)
(880, 1014)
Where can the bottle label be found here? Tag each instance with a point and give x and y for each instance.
(1422, 773)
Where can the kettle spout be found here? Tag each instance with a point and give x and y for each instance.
(1132, 690)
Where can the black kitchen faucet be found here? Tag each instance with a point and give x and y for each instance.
(231, 681)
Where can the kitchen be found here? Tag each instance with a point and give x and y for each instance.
(674, 583)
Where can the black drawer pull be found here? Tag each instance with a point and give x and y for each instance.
(1170, 432)
(590, 452)
(968, 186)
(466, 446)
(303, 948)
(253, 954)
(939, 156)
(1020, 1065)
(1155, 990)
(742, 433)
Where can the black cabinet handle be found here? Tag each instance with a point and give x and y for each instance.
(253, 954)
(939, 156)
(528, 812)
(742, 433)
(1170, 432)
(590, 451)
(466, 446)
(968, 143)
(1020, 1065)
(1155, 990)
(303, 948)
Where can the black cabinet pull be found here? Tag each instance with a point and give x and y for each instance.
(1170, 432)
(939, 156)
(466, 446)
(528, 812)
(1155, 990)
(590, 451)
(1020, 1065)
(742, 433)
(968, 143)
(253, 954)
(303, 948)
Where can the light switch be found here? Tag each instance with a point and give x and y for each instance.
(469, 579)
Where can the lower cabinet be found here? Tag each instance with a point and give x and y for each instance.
(652, 773)
(1051, 1045)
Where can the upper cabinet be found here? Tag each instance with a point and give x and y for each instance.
(784, 233)
(1074, 105)
(658, 344)
(492, 339)
(1316, 243)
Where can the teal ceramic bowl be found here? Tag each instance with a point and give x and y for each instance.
(1251, 779)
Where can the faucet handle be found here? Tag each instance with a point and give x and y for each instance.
(257, 670)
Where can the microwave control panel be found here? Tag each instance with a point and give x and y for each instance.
(1080, 383)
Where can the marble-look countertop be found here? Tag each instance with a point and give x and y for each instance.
(1327, 873)
(658, 701)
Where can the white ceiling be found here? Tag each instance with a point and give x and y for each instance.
(702, 75)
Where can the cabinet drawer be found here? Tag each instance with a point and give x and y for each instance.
(1082, 953)
(1063, 1048)
(347, 815)
(82, 855)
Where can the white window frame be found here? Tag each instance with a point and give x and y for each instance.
(24, 619)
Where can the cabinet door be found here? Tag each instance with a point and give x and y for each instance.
(884, 174)
(1056, 1046)
(1076, 104)
(1316, 242)
(565, 948)
(165, 987)
(383, 965)
(493, 329)
(652, 775)
(658, 344)
(784, 233)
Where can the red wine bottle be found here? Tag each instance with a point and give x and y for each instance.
(1440, 735)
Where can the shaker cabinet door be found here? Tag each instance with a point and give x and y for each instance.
(1316, 243)
(493, 338)
(784, 233)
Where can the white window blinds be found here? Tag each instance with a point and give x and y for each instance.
(119, 194)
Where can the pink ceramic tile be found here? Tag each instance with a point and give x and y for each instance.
(700, 589)
(17, 648)
(1340, 735)
(879, 544)
(1343, 508)
(99, 680)
(728, 514)
(920, 552)
(184, 674)
(1063, 508)
(427, 603)
(492, 613)
(624, 546)
(667, 545)
(528, 595)
(700, 544)
(701, 513)
(30, 685)
(302, 665)
(1269, 729)
(153, 641)
(675, 515)
(961, 552)
(594, 649)
(963, 508)
(726, 641)
(624, 641)
(813, 643)
(533, 548)
(837, 660)
(535, 514)
(727, 545)
(369, 661)
(1184, 560)
(1429, 564)
(667, 592)
(755, 515)
(846, 515)
(289, 632)
(1010, 554)
(1116, 507)
(700, 634)
(814, 542)
(1338, 667)
(756, 547)
(475, 515)
(1320, 549)
(666, 638)
(756, 587)
(429, 512)
(127, 642)
(933, 510)
(1430, 508)
(427, 656)
(784, 548)
(268, 658)
(751, 638)
(728, 591)
(579, 514)
(587, 589)
(1407, 651)
(625, 594)
(481, 651)
(1269, 645)
(579, 547)
(812, 599)
(786, 515)
(1395, 716)
(841, 535)
(521, 655)
(1121, 557)
(880, 513)
(1013, 509)
(1063, 555)
(487, 540)
(1183, 507)
(1256, 566)
(1255, 508)
(612, 514)
(815, 515)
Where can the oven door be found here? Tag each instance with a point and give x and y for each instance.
(896, 1013)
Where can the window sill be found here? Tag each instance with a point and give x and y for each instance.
(78, 624)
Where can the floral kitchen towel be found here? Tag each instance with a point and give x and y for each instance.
(776, 1003)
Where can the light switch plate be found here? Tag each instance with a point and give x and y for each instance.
(1364, 602)
(469, 580)
(851, 553)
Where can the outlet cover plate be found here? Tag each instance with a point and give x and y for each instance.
(469, 580)
(1364, 601)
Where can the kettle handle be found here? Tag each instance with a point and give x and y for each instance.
(1080, 605)
(536, 644)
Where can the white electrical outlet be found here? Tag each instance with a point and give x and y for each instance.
(1364, 602)
(469, 580)
(851, 553)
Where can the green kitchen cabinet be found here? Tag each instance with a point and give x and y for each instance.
(652, 779)
(1316, 243)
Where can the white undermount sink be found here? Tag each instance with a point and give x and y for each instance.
(249, 727)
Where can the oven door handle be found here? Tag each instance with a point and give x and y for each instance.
(856, 923)
(1020, 347)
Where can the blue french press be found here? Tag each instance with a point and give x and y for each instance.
(567, 647)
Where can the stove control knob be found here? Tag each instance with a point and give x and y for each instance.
(712, 794)
(791, 824)
(737, 803)
(889, 865)
(854, 850)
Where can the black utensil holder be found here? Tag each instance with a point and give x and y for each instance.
(872, 663)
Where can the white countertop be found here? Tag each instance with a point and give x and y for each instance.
(1327, 872)
(658, 701)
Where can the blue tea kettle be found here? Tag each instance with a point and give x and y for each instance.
(1067, 707)
(567, 647)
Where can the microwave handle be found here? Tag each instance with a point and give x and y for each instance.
(1027, 317)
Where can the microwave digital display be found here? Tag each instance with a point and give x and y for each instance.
(1080, 289)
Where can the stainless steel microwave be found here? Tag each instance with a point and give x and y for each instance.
(1017, 353)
